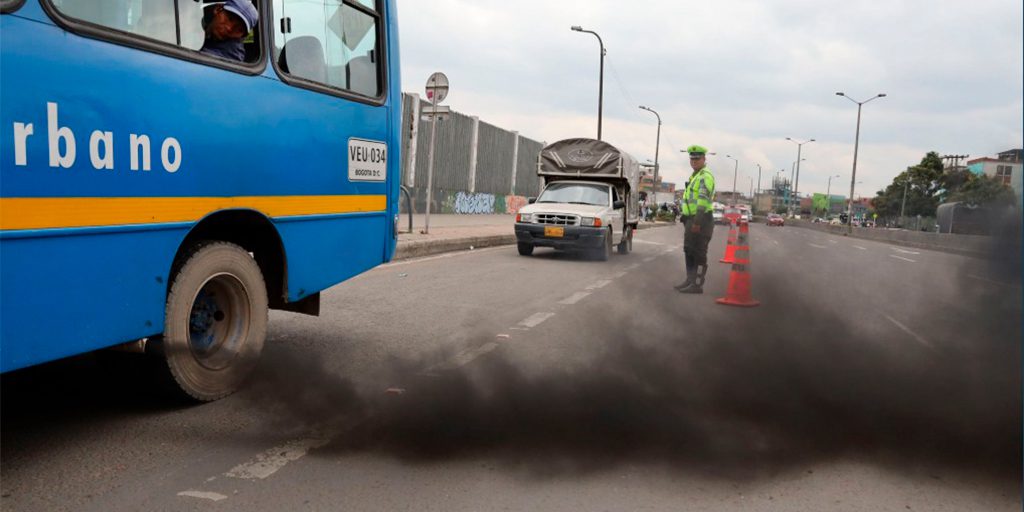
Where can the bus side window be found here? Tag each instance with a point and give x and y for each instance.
(331, 42)
(154, 19)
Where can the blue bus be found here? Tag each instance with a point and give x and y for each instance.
(158, 196)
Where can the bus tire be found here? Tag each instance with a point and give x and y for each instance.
(215, 320)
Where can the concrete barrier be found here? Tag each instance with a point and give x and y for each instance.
(967, 245)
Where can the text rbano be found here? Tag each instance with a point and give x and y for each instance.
(101, 146)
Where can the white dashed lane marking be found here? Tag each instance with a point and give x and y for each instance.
(902, 251)
(818, 246)
(600, 284)
(908, 331)
(859, 247)
(574, 298)
(212, 496)
(535, 319)
(902, 258)
(272, 460)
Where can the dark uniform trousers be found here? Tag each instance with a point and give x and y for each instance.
(695, 245)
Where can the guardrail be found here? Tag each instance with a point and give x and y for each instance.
(967, 245)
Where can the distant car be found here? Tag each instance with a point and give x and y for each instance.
(745, 215)
(818, 220)
(775, 219)
(719, 216)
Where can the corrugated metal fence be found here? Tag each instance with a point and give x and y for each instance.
(479, 168)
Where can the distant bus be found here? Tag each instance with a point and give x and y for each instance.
(155, 196)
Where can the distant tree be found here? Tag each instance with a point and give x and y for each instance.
(982, 190)
(924, 185)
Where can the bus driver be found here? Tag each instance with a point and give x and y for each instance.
(228, 24)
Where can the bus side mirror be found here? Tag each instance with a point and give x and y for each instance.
(531, 200)
(618, 205)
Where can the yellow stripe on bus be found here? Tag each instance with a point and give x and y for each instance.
(77, 212)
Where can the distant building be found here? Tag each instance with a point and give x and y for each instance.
(1012, 155)
(1007, 169)
(647, 184)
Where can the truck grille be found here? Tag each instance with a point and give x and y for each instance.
(557, 220)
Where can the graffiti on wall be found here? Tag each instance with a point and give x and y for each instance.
(514, 203)
(465, 203)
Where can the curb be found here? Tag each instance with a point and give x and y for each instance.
(422, 248)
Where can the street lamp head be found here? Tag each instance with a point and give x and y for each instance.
(643, 107)
(837, 94)
(577, 28)
(812, 140)
(789, 138)
(882, 95)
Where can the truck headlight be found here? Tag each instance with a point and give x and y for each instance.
(524, 218)
(590, 222)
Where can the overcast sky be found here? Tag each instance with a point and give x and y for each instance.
(737, 76)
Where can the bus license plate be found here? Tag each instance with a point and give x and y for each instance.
(555, 232)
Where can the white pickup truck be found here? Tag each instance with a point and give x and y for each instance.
(589, 201)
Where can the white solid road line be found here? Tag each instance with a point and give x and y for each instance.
(272, 460)
(619, 274)
(648, 242)
(535, 319)
(859, 247)
(908, 331)
(599, 284)
(574, 298)
(902, 258)
(212, 496)
(818, 246)
(832, 242)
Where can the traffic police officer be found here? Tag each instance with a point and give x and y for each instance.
(698, 220)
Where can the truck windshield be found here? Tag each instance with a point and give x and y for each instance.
(575, 193)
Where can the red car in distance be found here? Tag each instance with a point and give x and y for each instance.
(775, 219)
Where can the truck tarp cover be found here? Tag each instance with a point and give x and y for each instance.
(581, 157)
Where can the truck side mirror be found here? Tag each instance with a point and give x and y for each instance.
(531, 200)
(618, 205)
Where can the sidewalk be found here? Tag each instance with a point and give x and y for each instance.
(449, 233)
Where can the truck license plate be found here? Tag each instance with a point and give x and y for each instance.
(554, 231)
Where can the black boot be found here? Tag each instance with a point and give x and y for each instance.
(697, 284)
(684, 284)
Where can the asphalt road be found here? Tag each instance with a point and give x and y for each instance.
(872, 377)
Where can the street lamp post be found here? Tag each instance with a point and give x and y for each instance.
(903, 206)
(657, 147)
(758, 182)
(751, 192)
(600, 87)
(796, 184)
(734, 171)
(856, 146)
(792, 176)
(775, 183)
(828, 195)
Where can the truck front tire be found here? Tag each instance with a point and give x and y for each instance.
(215, 320)
(524, 249)
(605, 252)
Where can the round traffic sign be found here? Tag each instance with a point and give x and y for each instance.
(437, 88)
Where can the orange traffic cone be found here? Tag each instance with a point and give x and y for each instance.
(730, 245)
(738, 293)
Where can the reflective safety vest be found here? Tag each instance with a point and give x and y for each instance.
(700, 193)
